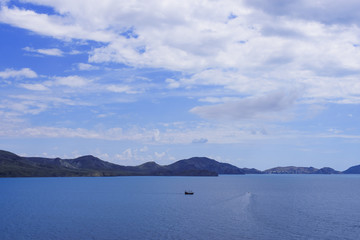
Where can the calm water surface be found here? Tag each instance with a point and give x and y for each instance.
(225, 207)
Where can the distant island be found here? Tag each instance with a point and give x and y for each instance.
(12, 165)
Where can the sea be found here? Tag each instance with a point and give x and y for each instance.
(224, 207)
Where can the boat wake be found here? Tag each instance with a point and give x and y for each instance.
(246, 199)
(238, 202)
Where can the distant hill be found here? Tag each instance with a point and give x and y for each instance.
(327, 170)
(203, 163)
(300, 170)
(353, 170)
(290, 170)
(12, 165)
(251, 171)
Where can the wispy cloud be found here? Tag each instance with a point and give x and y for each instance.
(172, 135)
(86, 67)
(70, 81)
(34, 87)
(49, 51)
(22, 73)
(33, 103)
(122, 89)
(23, 107)
(172, 83)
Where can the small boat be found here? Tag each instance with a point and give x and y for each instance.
(189, 193)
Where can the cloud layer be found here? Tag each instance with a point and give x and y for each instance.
(195, 73)
(250, 47)
(22, 73)
(268, 107)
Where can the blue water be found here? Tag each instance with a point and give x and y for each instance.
(225, 207)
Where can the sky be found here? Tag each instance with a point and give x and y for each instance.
(255, 83)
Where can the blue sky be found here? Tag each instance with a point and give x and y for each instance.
(253, 83)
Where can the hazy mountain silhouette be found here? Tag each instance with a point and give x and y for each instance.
(353, 170)
(12, 165)
(300, 170)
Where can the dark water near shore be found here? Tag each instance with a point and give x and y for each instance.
(225, 207)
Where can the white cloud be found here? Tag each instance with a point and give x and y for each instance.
(22, 73)
(121, 89)
(71, 81)
(219, 134)
(50, 25)
(34, 87)
(33, 104)
(126, 155)
(172, 83)
(211, 133)
(105, 115)
(160, 155)
(248, 47)
(334, 131)
(134, 156)
(49, 51)
(24, 106)
(86, 67)
(155, 135)
(219, 99)
(144, 149)
(74, 52)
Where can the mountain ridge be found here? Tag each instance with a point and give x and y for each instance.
(12, 165)
(353, 170)
(300, 170)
